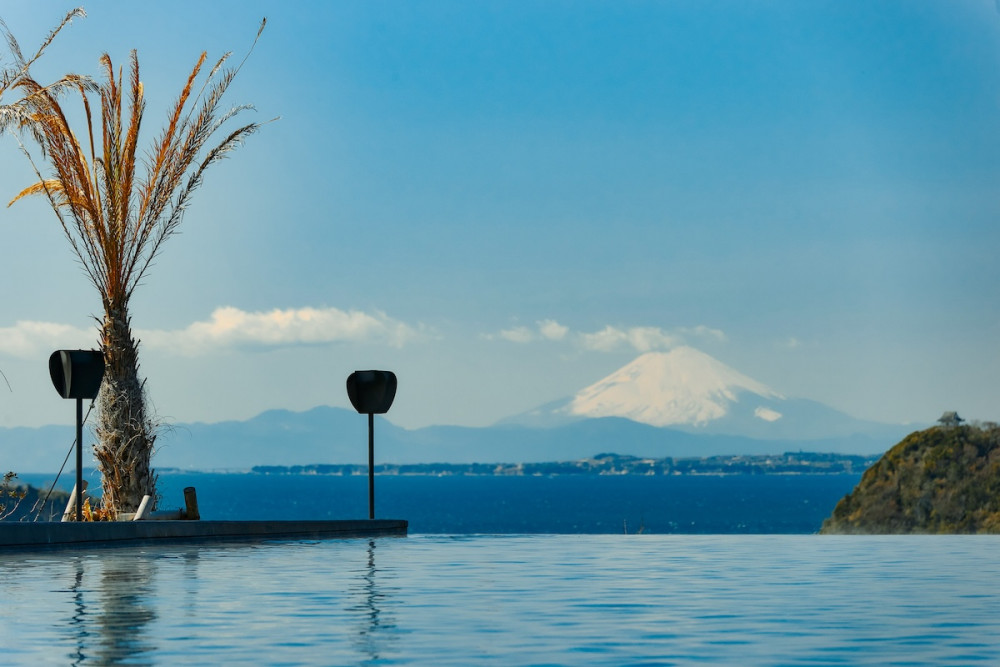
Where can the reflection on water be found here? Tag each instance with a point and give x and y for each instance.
(78, 623)
(202, 604)
(123, 610)
(374, 628)
(113, 604)
(482, 600)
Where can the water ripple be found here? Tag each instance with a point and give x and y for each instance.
(515, 600)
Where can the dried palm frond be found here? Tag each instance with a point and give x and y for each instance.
(117, 212)
(118, 219)
(17, 114)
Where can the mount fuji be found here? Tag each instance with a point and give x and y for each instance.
(687, 390)
(680, 387)
(681, 403)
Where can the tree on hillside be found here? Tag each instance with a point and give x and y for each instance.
(944, 479)
(116, 213)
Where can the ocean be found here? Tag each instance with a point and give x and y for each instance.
(515, 571)
(577, 504)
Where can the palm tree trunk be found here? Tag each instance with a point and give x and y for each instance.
(125, 435)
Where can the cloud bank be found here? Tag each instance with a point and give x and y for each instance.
(227, 327)
(27, 338)
(546, 330)
(610, 338)
(232, 327)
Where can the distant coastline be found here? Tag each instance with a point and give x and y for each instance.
(789, 463)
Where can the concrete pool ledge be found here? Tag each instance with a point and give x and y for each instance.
(71, 534)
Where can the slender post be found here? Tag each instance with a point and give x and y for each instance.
(79, 459)
(191, 504)
(371, 465)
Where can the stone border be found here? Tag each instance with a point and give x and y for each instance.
(87, 534)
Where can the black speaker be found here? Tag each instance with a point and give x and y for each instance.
(371, 392)
(77, 373)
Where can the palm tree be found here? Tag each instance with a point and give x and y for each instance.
(17, 113)
(116, 214)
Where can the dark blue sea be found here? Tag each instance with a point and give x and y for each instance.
(560, 504)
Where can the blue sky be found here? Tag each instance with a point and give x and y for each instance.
(505, 201)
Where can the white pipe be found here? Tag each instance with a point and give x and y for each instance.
(70, 513)
(143, 510)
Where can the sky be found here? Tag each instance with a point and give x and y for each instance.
(503, 202)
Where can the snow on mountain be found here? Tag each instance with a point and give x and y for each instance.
(681, 387)
(687, 390)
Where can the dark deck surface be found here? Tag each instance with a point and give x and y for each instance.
(71, 534)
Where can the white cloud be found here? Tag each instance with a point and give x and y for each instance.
(226, 327)
(767, 414)
(552, 330)
(230, 326)
(518, 335)
(608, 339)
(645, 339)
(642, 339)
(28, 339)
(547, 330)
(703, 331)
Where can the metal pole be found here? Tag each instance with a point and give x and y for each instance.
(371, 465)
(79, 459)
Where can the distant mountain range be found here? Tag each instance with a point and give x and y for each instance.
(681, 403)
(690, 391)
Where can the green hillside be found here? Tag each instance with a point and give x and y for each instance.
(945, 479)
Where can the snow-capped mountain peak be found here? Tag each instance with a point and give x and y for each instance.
(681, 387)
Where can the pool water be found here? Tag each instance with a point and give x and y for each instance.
(510, 600)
